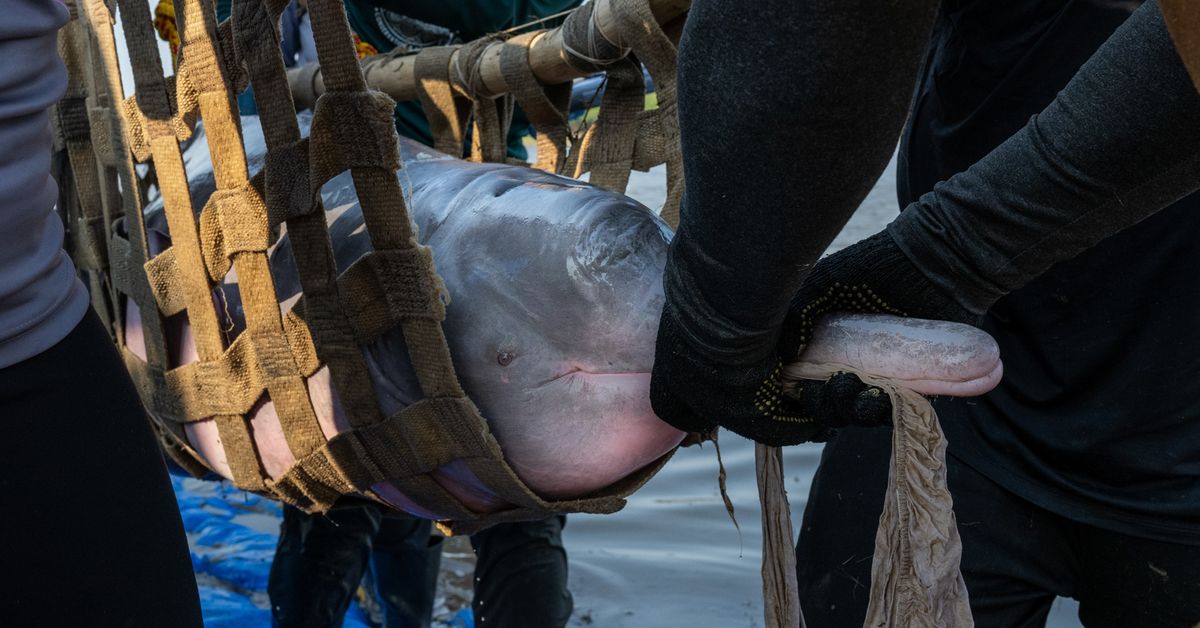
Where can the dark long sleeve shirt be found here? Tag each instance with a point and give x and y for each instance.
(1098, 415)
(788, 113)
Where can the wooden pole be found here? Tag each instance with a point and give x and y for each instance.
(395, 75)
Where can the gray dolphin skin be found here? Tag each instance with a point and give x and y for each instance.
(555, 293)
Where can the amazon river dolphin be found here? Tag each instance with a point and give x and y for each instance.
(555, 294)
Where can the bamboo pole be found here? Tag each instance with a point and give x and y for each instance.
(395, 75)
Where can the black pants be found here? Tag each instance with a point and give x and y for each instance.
(91, 534)
(1016, 556)
(321, 559)
(520, 572)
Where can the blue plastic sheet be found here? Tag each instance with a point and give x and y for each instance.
(232, 536)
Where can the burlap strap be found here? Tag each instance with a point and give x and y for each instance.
(320, 332)
(352, 130)
(81, 193)
(583, 48)
(200, 71)
(446, 110)
(546, 107)
(607, 147)
(393, 286)
(641, 32)
(490, 116)
(122, 197)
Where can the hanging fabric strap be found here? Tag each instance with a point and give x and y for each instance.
(641, 32)
(915, 578)
(444, 107)
(546, 107)
(491, 116)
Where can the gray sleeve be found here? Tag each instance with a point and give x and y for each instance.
(1120, 142)
(40, 298)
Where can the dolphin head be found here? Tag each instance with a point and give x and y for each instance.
(556, 291)
(555, 294)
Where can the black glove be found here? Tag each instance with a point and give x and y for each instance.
(696, 394)
(698, 383)
(872, 276)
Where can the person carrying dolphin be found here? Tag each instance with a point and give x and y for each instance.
(1116, 145)
(1085, 444)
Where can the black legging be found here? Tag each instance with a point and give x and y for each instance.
(520, 569)
(90, 533)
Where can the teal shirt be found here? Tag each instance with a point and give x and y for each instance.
(415, 24)
(468, 19)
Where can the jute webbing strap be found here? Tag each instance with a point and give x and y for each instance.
(641, 32)
(624, 137)
(393, 286)
(915, 578)
(490, 116)
(584, 47)
(200, 71)
(122, 197)
(109, 133)
(292, 196)
(81, 191)
(652, 137)
(546, 107)
(444, 107)
(606, 149)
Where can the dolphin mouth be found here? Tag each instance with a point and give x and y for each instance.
(579, 372)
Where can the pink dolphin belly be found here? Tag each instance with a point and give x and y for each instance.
(932, 357)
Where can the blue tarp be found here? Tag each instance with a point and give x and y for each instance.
(232, 536)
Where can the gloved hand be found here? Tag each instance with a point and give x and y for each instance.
(700, 382)
(872, 276)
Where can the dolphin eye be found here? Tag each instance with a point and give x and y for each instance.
(504, 358)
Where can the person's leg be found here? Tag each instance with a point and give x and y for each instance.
(91, 534)
(319, 563)
(837, 533)
(521, 575)
(405, 562)
(1129, 581)
(1015, 556)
